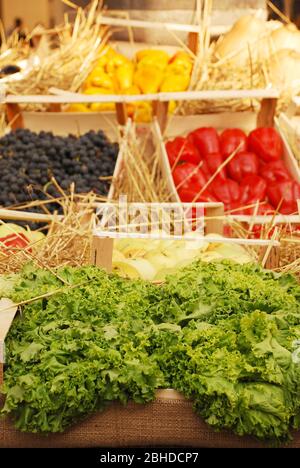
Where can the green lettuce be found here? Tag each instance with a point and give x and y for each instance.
(73, 352)
(225, 335)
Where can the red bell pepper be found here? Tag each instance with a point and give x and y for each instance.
(259, 231)
(235, 208)
(266, 143)
(284, 196)
(226, 191)
(242, 165)
(253, 188)
(263, 209)
(189, 196)
(214, 161)
(182, 150)
(275, 172)
(206, 140)
(205, 169)
(266, 209)
(188, 176)
(250, 209)
(232, 139)
(18, 241)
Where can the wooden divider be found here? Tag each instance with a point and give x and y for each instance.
(102, 252)
(266, 115)
(14, 116)
(160, 102)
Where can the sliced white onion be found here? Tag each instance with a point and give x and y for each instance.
(135, 268)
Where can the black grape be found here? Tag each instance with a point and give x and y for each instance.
(28, 161)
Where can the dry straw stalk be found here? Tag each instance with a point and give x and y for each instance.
(70, 62)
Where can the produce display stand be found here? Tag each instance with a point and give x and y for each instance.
(167, 421)
(178, 125)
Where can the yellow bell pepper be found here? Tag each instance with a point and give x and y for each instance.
(132, 90)
(110, 52)
(154, 54)
(78, 108)
(180, 63)
(149, 61)
(181, 56)
(131, 107)
(103, 58)
(98, 90)
(96, 72)
(175, 83)
(148, 79)
(124, 76)
(102, 106)
(143, 113)
(103, 81)
(172, 106)
(102, 61)
(116, 61)
(177, 68)
(105, 55)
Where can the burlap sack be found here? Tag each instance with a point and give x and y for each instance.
(169, 421)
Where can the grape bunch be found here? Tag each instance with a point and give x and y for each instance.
(29, 160)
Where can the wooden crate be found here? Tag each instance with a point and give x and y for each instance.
(180, 126)
(103, 242)
(63, 123)
(72, 122)
(214, 219)
(155, 15)
(166, 128)
(289, 122)
(75, 123)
